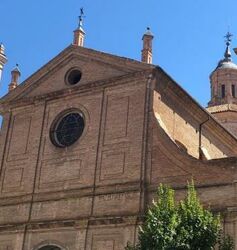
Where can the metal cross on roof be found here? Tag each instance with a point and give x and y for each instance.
(82, 11)
(228, 37)
(81, 14)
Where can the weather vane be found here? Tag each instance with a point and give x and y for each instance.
(228, 37)
(81, 17)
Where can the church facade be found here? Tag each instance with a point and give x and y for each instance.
(87, 139)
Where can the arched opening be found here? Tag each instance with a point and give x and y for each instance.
(50, 247)
(233, 90)
(222, 90)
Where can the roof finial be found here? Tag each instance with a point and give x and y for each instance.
(3, 59)
(147, 46)
(79, 33)
(15, 78)
(81, 18)
(228, 40)
(228, 37)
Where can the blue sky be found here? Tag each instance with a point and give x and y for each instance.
(188, 34)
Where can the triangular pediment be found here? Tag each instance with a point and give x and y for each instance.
(95, 66)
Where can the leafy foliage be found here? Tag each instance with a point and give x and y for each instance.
(198, 227)
(182, 226)
(130, 247)
(226, 243)
(161, 222)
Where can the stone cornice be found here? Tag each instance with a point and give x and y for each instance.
(80, 89)
(121, 63)
(153, 188)
(79, 223)
(222, 108)
(45, 196)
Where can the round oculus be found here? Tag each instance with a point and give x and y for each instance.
(73, 76)
(67, 129)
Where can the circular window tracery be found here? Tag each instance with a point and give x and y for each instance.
(67, 129)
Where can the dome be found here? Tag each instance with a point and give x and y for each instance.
(223, 64)
(226, 63)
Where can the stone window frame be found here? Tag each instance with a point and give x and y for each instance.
(69, 72)
(59, 117)
(50, 243)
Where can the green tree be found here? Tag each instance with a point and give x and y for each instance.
(182, 226)
(198, 228)
(161, 222)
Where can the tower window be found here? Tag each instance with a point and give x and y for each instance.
(212, 91)
(233, 90)
(222, 91)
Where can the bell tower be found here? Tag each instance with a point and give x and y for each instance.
(223, 80)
